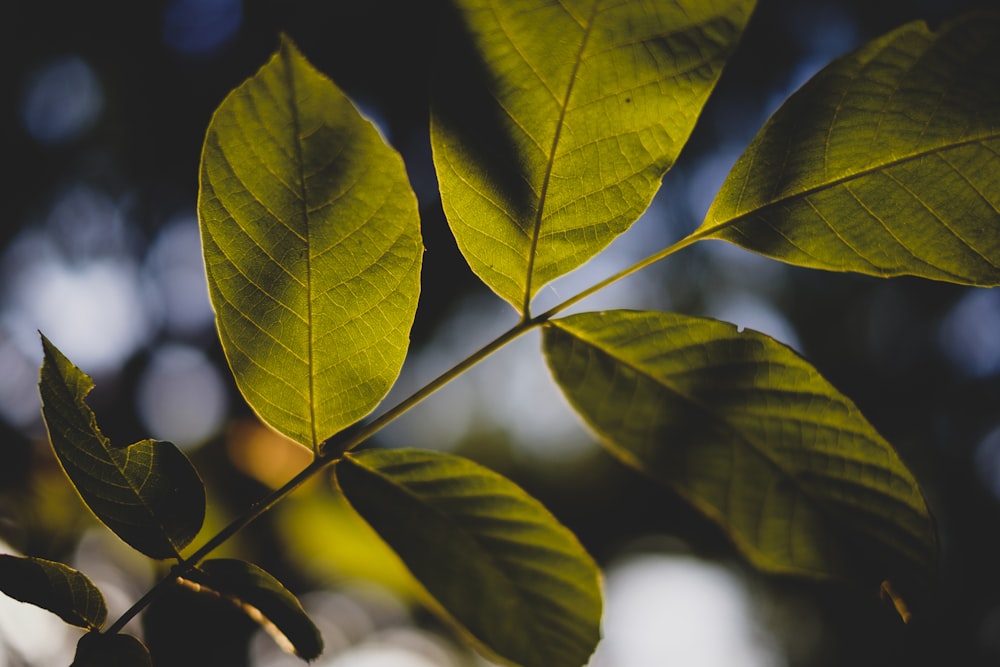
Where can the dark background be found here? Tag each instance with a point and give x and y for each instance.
(163, 69)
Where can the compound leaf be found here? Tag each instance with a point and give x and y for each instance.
(886, 163)
(749, 433)
(552, 130)
(147, 493)
(263, 598)
(99, 650)
(496, 561)
(55, 587)
(312, 246)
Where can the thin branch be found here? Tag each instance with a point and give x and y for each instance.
(624, 273)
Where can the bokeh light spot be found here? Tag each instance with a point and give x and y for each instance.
(397, 647)
(677, 610)
(63, 100)
(968, 333)
(93, 312)
(181, 397)
(19, 405)
(176, 277)
(264, 454)
(194, 27)
(74, 279)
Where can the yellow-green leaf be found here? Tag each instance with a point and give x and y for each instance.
(147, 493)
(552, 130)
(886, 163)
(67, 593)
(312, 247)
(747, 431)
(494, 559)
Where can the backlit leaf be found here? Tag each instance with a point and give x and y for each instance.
(55, 587)
(98, 650)
(312, 247)
(148, 493)
(553, 128)
(263, 598)
(497, 562)
(747, 431)
(885, 163)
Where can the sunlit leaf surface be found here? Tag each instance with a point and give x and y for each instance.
(55, 587)
(886, 163)
(746, 430)
(263, 598)
(553, 126)
(312, 247)
(99, 650)
(496, 561)
(148, 493)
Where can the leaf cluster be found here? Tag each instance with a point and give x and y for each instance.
(552, 126)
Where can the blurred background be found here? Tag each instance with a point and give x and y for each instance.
(105, 105)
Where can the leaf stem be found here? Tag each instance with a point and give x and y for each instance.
(624, 273)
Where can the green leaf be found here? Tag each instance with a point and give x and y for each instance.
(98, 650)
(749, 433)
(55, 587)
(497, 562)
(312, 246)
(552, 130)
(886, 163)
(263, 598)
(148, 493)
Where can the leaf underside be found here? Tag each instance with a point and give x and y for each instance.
(312, 247)
(147, 493)
(264, 598)
(886, 163)
(494, 559)
(748, 432)
(553, 126)
(55, 587)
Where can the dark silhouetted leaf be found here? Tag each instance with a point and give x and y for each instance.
(496, 561)
(746, 430)
(263, 598)
(553, 127)
(97, 650)
(887, 162)
(148, 493)
(312, 246)
(55, 587)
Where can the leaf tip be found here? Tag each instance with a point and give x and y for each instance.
(287, 45)
(47, 345)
